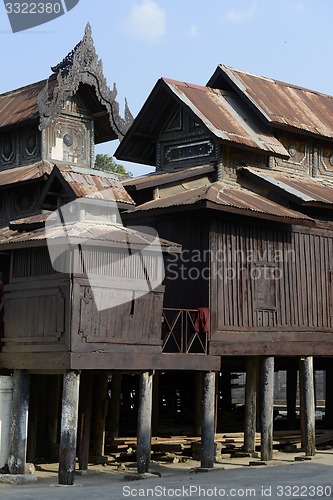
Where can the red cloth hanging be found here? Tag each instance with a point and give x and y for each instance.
(201, 320)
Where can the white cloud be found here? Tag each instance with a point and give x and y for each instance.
(241, 16)
(146, 20)
(192, 31)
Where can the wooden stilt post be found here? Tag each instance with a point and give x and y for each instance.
(68, 433)
(115, 403)
(86, 386)
(144, 422)
(101, 387)
(19, 422)
(208, 420)
(267, 395)
(32, 420)
(291, 396)
(329, 397)
(308, 405)
(250, 423)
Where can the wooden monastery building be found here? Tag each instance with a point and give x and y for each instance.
(242, 202)
(244, 182)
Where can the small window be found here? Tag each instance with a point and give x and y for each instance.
(264, 276)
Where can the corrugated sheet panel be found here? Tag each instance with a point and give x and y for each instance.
(286, 104)
(307, 191)
(23, 174)
(166, 177)
(79, 232)
(223, 113)
(232, 198)
(21, 104)
(95, 184)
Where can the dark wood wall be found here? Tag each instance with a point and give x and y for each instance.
(270, 288)
(187, 273)
(134, 323)
(112, 311)
(37, 315)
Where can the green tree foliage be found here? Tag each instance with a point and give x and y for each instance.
(108, 164)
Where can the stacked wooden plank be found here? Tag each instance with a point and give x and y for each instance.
(169, 448)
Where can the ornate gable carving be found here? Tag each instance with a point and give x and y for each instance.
(82, 65)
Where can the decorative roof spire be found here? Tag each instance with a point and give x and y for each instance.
(82, 65)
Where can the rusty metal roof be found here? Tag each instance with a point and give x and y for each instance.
(93, 184)
(280, 103)
(24, 174)
(167, 176)
(229, 198)
(20, 105)
(300, 189)
(111, 235)
(223, 114)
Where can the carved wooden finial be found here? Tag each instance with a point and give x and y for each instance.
(81, 65)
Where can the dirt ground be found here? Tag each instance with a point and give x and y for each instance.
(47, 473)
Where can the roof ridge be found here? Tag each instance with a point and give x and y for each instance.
(28, 86)
(186, 84)
(278, 82)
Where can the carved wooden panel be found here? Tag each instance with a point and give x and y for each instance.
(325, 164)
(7, 149)
(20, 147)
(69, 141)
(73, 104)
(299, 151)
(189, 151)
(30, 141)
(184, 141)
(17, 203)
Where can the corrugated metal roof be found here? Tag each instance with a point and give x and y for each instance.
(223, 114)
(20, 105)
(306, 191)
(84, 232)
(283, 103)
(167, 176)
(94, 184)
(27, 173)
(232, 199)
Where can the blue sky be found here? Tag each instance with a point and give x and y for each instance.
(140, 41)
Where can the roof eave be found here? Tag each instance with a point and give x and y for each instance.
(260, 215)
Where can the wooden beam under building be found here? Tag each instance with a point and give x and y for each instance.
(69, 424)
(267, 402)
(250, 422)
(307, 406)
(208, 420)
(19, 422)
(143, 450)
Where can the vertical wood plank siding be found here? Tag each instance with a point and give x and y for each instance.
(254, 264)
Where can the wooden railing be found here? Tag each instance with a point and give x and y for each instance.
(179, 334)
